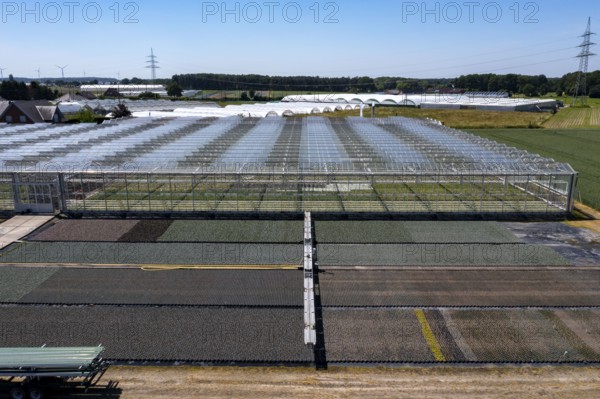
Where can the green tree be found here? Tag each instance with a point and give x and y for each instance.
(149, 95)
(410, 86)
(529, 90)
(595, 92)
(174, 90)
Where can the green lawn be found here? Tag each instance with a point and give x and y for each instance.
(578, 147)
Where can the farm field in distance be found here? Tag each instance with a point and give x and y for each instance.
(578, 147)
(458, 119)
(566, 118)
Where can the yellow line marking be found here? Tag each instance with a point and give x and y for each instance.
(433, 343)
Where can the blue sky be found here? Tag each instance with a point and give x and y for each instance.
(344, 38)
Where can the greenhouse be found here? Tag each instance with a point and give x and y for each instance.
(273, 164)
(484, 101)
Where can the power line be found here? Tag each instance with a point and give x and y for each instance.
(580, 93)
(152, 64)
(492, 61)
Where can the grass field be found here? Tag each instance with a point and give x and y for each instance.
(578, 147)
(460, 119)
(567, 118)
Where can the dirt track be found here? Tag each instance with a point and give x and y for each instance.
(522, 383)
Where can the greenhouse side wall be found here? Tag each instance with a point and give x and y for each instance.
(334, 193)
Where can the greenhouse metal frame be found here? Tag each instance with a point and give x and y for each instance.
(312, 164)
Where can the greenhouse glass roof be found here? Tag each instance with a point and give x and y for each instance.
(270, 145)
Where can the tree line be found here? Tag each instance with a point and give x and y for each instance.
(363, 84)
(203, 81)
(536, 85)
(530, 85)
(12, 90)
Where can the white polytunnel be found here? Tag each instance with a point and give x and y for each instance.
(482, 101)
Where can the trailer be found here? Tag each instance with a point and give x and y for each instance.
(34, 372)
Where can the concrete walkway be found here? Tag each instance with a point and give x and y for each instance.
(19, 226)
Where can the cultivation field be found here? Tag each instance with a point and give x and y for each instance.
(191, 254)
(182, 287)
(146, 231)
(86, 230)
(355, 255)
(530, 334)
(104, 253)
(460, 288)
(16, 282)
(374, 335)
(578, 147)
(460, 119)
(264, 335)
(449, 335)
(234, 231)
(357, 232)
(574, 118)
(408, 303)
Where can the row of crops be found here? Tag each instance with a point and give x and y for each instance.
(573, 118)
(277, 242)
(274, 231)
(374, 313)
(351, 335)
